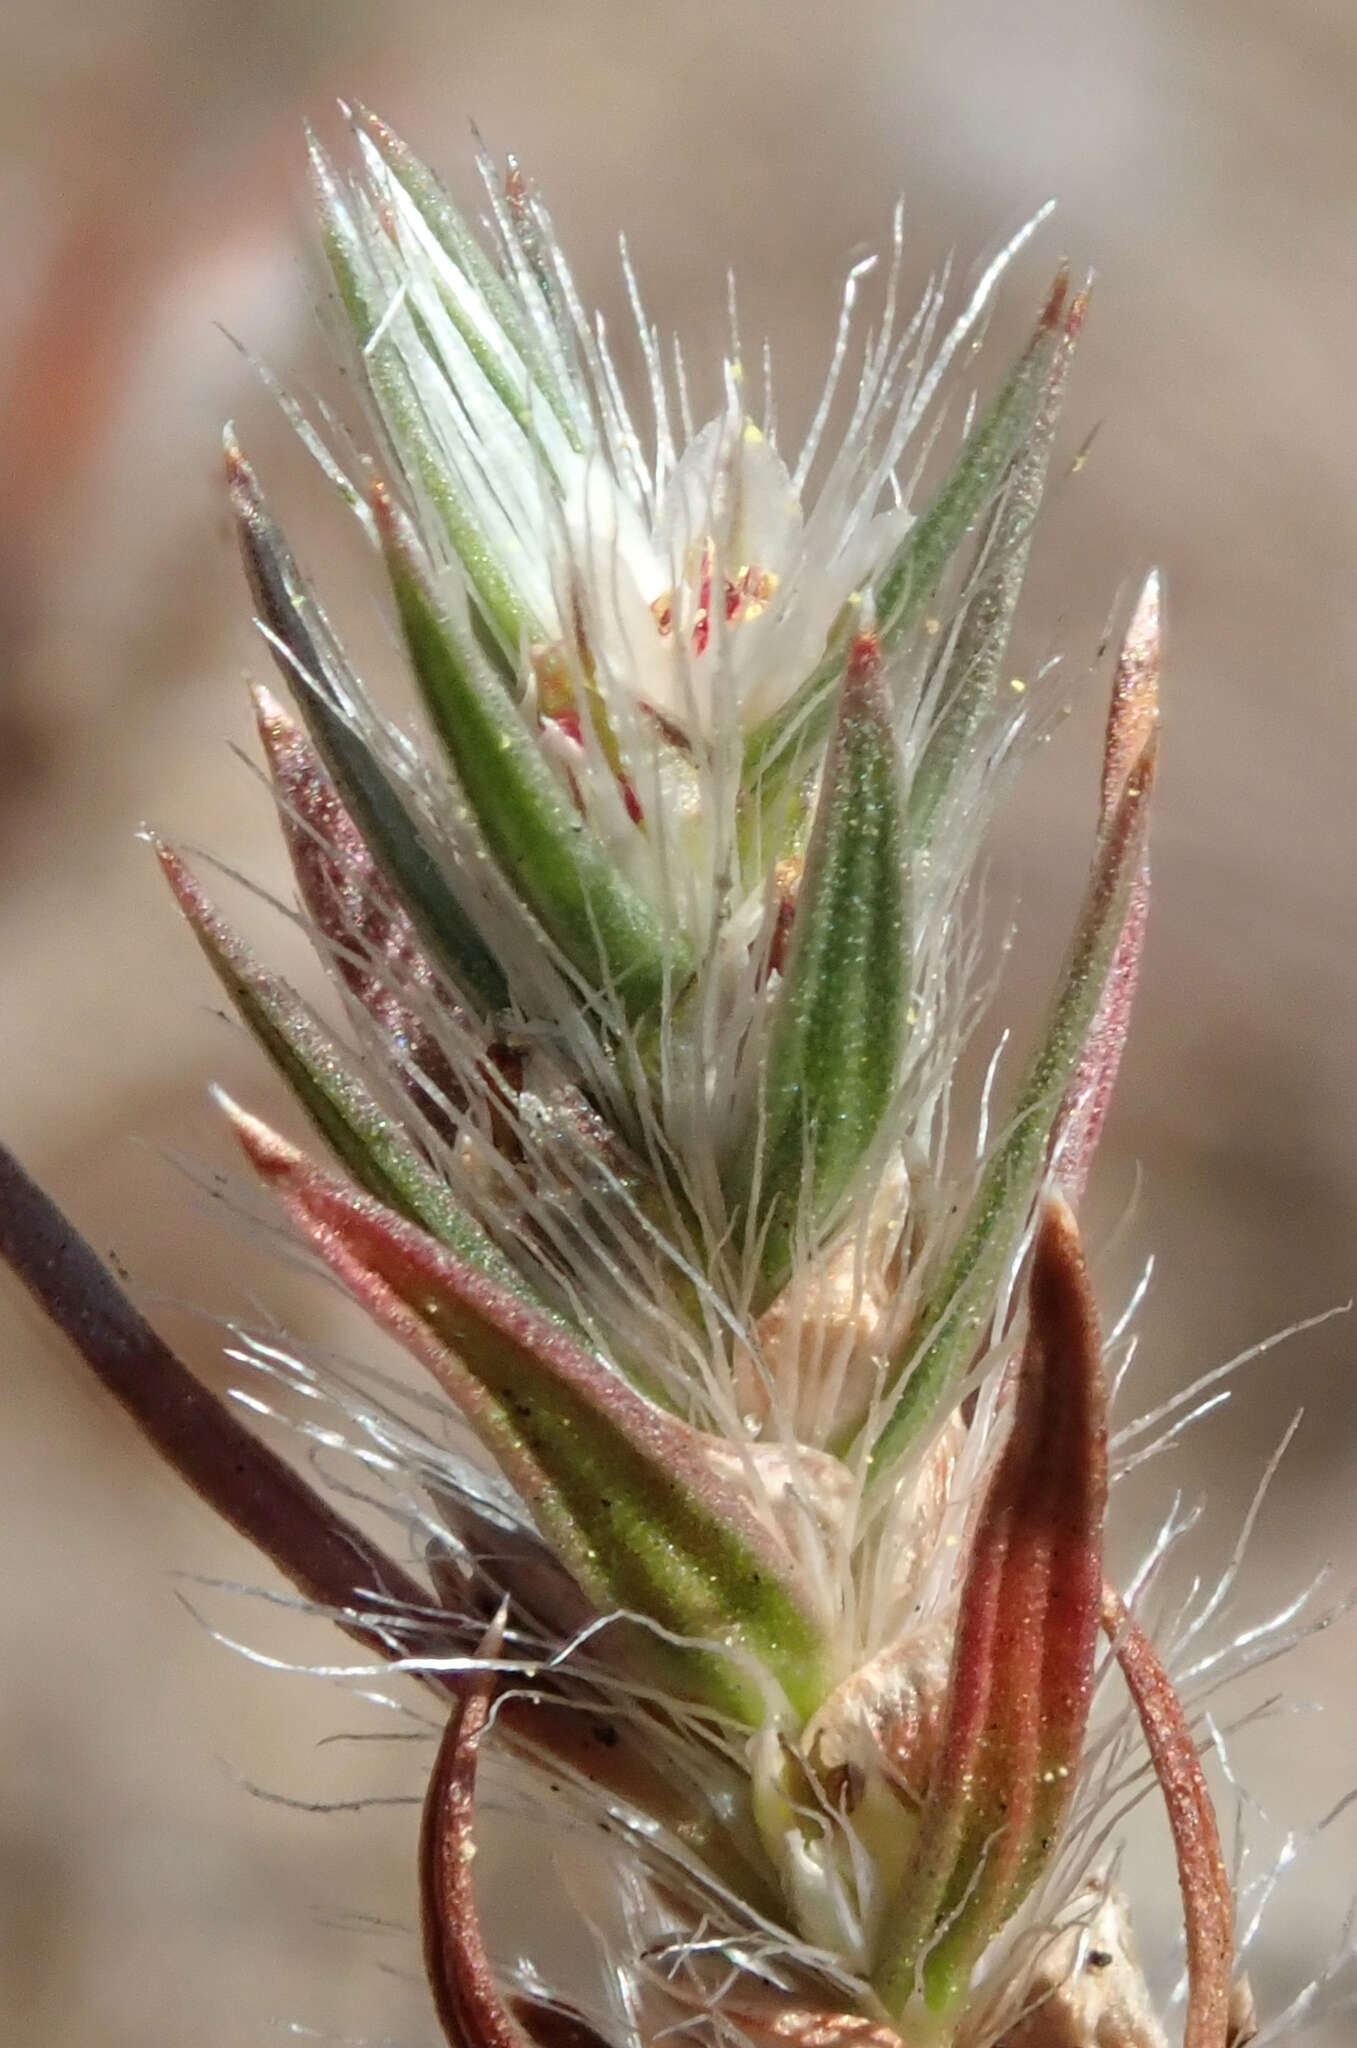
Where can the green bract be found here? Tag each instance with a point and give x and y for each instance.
(604, 928)
(627, 1496)
(838, 1020)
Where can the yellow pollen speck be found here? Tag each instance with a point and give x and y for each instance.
(1017, 685)
(752, 434)
(932, 625)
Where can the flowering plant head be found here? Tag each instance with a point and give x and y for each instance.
(760, 1514)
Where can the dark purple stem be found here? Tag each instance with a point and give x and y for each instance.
(326, 1558)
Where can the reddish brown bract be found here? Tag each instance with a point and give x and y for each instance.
(1131, 722)
(368, 939)
(1208, 1906)
(467, 2002)
(1022, 1666)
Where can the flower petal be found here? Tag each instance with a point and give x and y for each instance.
(621, 1491)
(1085, 1986)
(1022, 1664)
(730, 488)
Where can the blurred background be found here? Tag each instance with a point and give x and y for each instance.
(1205, 158)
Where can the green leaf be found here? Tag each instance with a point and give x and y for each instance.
(315, 672)
(960, 1303)
(369, 1143)
(403, 414)
(1022, 1663)
(970, 683)
(623, 1492)
(910, 580)
(839, 1014)
(607, 931)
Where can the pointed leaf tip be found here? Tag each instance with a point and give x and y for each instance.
(312, 663)
(1022, 1665)
(276, 728)
(268, 1152)
(779, 752)
(1129, 750)
(970, 684)
(1133, 715)
(1078, 312)
(504, 346)
(1052, 312)
(371, 1145)
(922, 559)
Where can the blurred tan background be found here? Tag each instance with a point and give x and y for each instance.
(150, 164)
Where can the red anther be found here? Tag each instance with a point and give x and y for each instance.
(569, 724)
(864, 656)
(702, 623)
